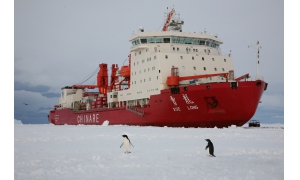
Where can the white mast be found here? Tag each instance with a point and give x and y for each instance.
(256, 47)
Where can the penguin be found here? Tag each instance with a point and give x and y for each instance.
(126, 144)
(210, 148)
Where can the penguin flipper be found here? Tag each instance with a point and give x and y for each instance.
(131, 144)
(206, 147)
(121, 145)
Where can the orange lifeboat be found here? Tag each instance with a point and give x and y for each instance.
(125, 71)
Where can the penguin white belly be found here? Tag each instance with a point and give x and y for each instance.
(126, 145)
(208, 151)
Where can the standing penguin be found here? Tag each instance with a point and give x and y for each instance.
(126, 144)
(210, 148)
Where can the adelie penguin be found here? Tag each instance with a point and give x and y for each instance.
(210, 148)
(126, 144)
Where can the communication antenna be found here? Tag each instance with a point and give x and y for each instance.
(256, 47)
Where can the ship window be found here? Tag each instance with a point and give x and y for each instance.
(154, 57)
(137, 63)
(110, 96)
(134, 73)
(181, 57)
(137, 41)
(144, 41)
(166, 56)
(173, 48)
(204, 68)
(183, 67)
(144, 70)
(156, 77)
(115, 96)
(146, 50)
(196, 50)
(188, 41)
(133, 43)
(158, 40)
(158, 71)
(193, 50)
(215, 69)
(192, 57)
(181, 40)
(202, 58)
(148, 69)
(224, 60)
(223, 69)
(133, 64)
(205, 50)
(195, 41)
(151, 40)
(213, 59)
(134, 82)
(166, 40)
(143, 60)
(140, 52)
(174, 40)
(217, 46)
(144, 80)
(202, 42)
(141, 81)
(149, 79)
(140, 71)
(177, 49)
(194, 68)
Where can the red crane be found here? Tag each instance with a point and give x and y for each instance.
(168, 20)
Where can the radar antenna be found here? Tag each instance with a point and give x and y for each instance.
(256, 47)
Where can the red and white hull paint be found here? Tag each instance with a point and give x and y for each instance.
(206, 105)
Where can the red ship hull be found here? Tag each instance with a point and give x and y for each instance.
(206, 105)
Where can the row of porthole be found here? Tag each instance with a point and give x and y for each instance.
(181, 57)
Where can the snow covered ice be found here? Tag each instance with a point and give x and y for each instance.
(93, 152)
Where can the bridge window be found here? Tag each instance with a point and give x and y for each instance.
(204, 68)
(151, 40)
(202, 42)
(215, 69)
(196, 41)
(166, 40)
(144, 41)
(188, 41)
(158, 40)
(181, 40)
(174, 40)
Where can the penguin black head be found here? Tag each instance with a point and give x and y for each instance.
(207, 140)
(125, 136)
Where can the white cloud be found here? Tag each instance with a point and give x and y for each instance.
(35, 101)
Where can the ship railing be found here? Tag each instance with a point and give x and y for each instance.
(136, 110)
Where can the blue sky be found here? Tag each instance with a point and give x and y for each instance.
(59, 43)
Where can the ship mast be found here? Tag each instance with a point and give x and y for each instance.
(256, 47)
(172, 21)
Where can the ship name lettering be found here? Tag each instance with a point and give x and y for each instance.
(173, 100)
(91, 118)
(176, 108)
(192, 107)
(187, 100)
